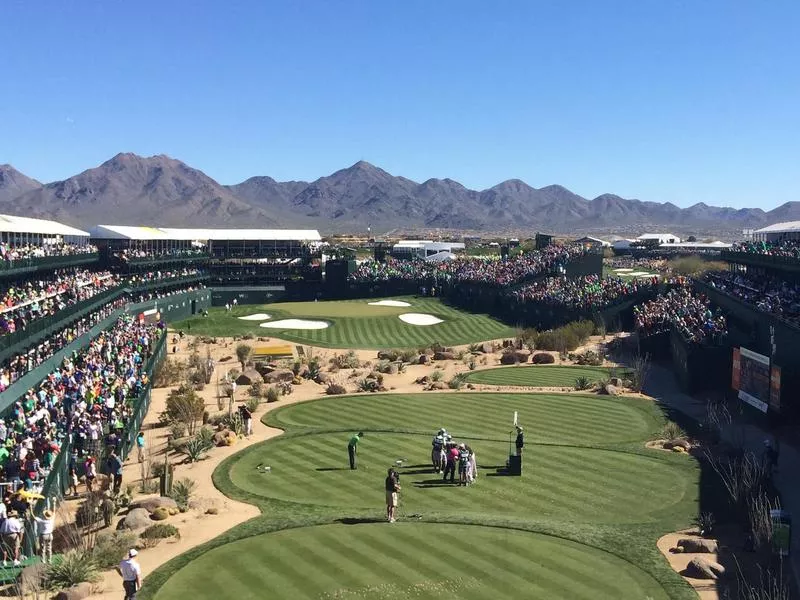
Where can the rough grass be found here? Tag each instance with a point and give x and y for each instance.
(581, 522)
(538, 375)
(356, 324)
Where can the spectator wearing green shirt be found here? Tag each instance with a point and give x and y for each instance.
(352, 449)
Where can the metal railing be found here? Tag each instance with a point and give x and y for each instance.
(761, 260)
(23, 265)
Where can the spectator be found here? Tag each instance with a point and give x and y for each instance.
(44, 528)
(11, 530)
(131, 574)
(115, 470)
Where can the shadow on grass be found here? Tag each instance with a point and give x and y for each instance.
(438, 482)
(355, 521)
(333, 468)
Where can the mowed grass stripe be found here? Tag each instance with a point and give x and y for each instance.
(538, 375)
(557, 418)
(399, 560)
(563, 483)
(355, 324)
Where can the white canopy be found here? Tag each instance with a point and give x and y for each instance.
(13, 224)
(123, 232)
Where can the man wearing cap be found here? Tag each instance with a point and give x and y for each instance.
(11, 529)
(520, 441)
(131, 575)
(44, 528)
(352, 449)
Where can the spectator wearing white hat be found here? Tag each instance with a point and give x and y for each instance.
(131, 575)
(44, 528)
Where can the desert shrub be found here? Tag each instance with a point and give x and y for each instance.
(582, 383)
(543, 358)
(273, 394)
(437, 375)
(256, 389)
(588, 358)
(171, 371)
(408, 356)
(694, 265)
(185, 406)
(348, 360)
(243, 354)
(296, 366)
(368, 385)
(206, 434)
(383, 366)
(314, 367)
(471, 364)
(672, 431)
(109, 548)
(639, 372)
(458, 381)
(182, 491)
(252, 404)
(74, 567)
(563, 339)
(153, 535)
(335, 389)
(177, 430)
(285, 388)
(195, 449)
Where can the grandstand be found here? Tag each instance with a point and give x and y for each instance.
(28, 245)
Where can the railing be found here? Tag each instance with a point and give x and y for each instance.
(22, 265)
(761, 260)
(44, 326)
(710, 291)
(157, 260)
(159, 283)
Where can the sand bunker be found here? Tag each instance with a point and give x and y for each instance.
(639, 274)
(419, 319)
(256, 317)
(389, 303)
(622, 270)
(295, 324)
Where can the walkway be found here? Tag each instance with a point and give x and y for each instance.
(662, 385)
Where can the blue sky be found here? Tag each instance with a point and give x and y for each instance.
(666, 100)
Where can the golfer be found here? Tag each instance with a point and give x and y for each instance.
(352, 449)
(392, 488)
(520, 441)
(131, 575)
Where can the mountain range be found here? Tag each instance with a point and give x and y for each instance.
(159, 190)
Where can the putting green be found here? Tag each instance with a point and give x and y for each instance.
(538, 375)
(560, 482)
(547, 418)
(409, 560)
(355, 324)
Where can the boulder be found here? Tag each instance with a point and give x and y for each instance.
(424, 380)
(697, 545)
(437, 385)
(615, 381)
(611, 390)
(485, 348)
(222, 438)
(393, 369)
(522, 356)
(703, 568)
(249, 377)
(444, 355)
(543, 358)
(322, 378)
(679, 449)
(76, 592)
(279, 375)
(137, 518)
(508, 358)
(32, 579)
(678, 443)
(424, 359)
(150, 504)
(387, 355)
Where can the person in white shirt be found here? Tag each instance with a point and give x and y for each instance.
(44, 529)
(131, 574)
(11, 529)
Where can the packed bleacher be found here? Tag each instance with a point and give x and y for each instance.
(91, 390)
(493, 271)
(11, 253)
(690, 313)
(27, 301)
(785, 248)
(137, 279)
(582, 293)
(767, 293)
(130, 254)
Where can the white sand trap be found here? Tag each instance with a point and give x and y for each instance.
(648, 275)
(419, 319)
(256, 317)
(622, 270)
(389, 303)
(295, 324)
(639, 273)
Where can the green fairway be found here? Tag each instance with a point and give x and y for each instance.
(355, 324)
(560, 482)
(409, 560)
(538, 375)
(547, 418)
(581, 522)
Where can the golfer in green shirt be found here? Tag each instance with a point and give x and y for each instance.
(352, 449)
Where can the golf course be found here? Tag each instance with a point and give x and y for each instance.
(580, 523)
(363, 323)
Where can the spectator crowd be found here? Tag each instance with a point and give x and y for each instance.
(9, 252)
(784, 248)
(129, 254)
(582, 293)
(691, 314)
(766, 292)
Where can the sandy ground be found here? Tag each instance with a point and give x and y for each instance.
(195, 526)
(706, 589)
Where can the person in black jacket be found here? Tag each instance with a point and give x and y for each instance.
(520, 441)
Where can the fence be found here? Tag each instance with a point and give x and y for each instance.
(27, 265)
(783, 263)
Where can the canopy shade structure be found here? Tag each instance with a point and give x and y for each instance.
(123, 232)
(13, 224)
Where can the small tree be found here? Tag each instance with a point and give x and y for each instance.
(243, 353)
(185, 406)
(639, 372)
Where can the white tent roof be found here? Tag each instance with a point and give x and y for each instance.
(172, 233)
(786, 227)
(709, 245)
(656, 236)
(12, 224)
